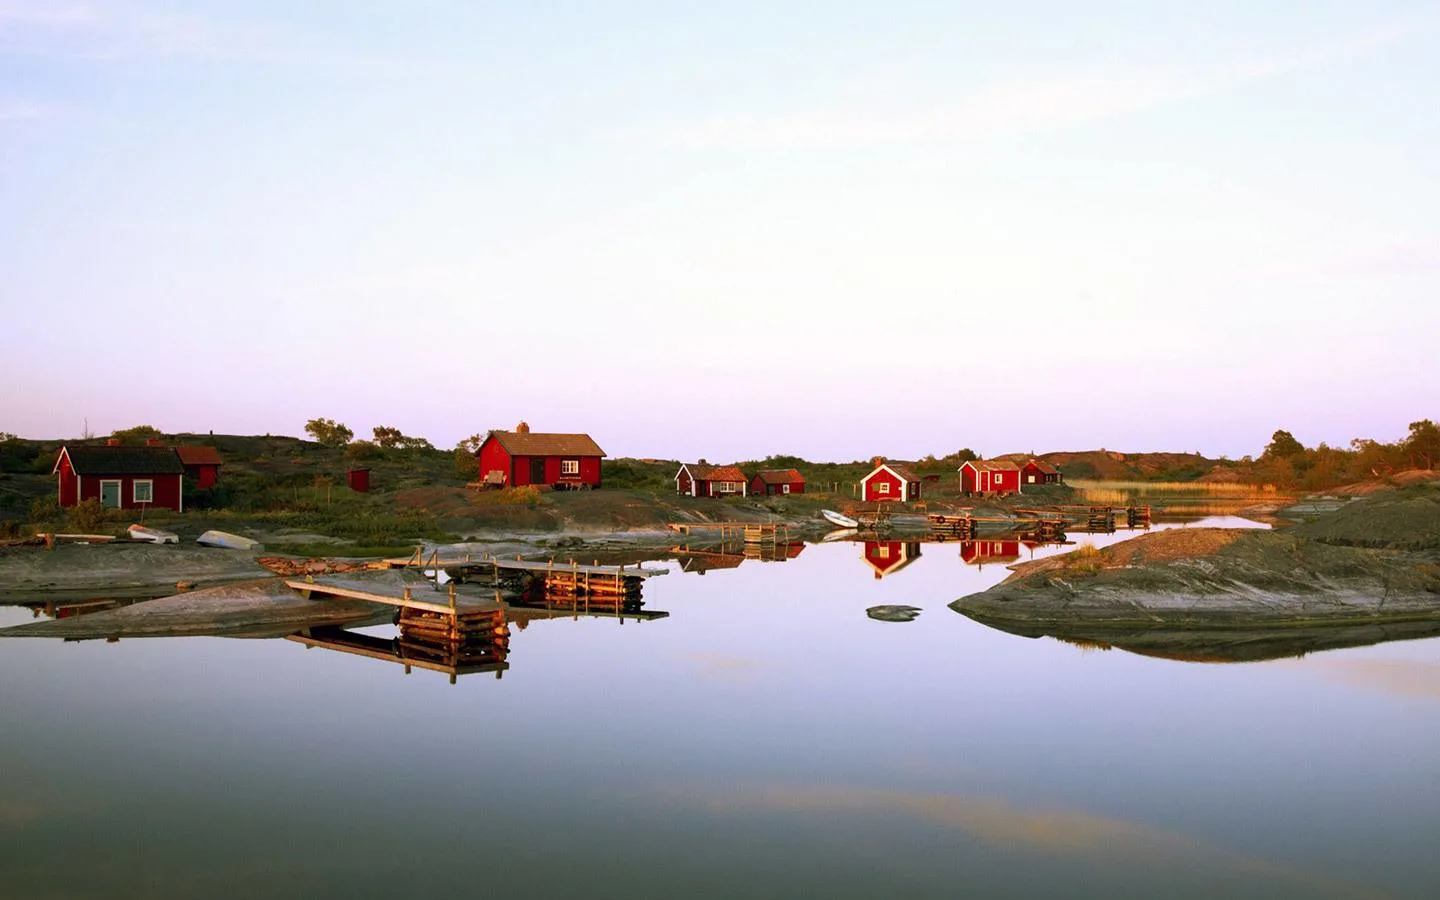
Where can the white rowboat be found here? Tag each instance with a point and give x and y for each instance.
(840, 519)
(227, 540)
(153, 535)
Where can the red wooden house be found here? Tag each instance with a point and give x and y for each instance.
(989, 476)
(120, 477)
(889, 557)
(201, 463)
(889, 481)
(520, 457)
(1038, 471)
(777, 481)
(704, 480)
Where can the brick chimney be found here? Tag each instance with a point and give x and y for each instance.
(878, 461)
(522, 428)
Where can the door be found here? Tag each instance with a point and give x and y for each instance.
(110, 494)
(537, 471)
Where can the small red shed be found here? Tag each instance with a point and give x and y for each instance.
(777, 481)
(358, 480)
(889, 557)
(704, 480)
(201, 463)
(521, 457)
(1038, 471)
(989, 476)
(889, 481)
(120, 477)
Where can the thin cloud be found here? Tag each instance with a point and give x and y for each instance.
(1020, 107)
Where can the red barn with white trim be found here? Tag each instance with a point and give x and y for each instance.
(520, 457)
(889, 481)
(777, 481)
(704, 480)
(120, 477)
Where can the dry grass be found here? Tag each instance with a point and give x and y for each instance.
(1118, 493)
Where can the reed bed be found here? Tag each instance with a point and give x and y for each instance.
(1119, 493)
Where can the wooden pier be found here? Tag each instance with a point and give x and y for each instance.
(952, 526)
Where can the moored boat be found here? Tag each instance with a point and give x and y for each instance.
(227, 540)
(840, 519)
(153, 535)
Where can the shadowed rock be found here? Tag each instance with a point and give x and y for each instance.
(893, 613)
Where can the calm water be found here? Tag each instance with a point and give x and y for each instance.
(766, 740)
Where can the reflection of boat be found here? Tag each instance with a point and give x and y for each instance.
(1220, 645)
(227, 540)
(840, 519)
(839, 534)
(153, 535)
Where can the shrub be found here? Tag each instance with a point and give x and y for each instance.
(88, 517)
(44, 511)
(1086, 558)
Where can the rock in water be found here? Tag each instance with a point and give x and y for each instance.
(893, 613)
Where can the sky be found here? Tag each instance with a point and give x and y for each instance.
(724, 230)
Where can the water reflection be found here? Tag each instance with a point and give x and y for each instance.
(1221, 645)
(888, 557)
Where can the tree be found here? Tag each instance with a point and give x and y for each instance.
(329, 432)
(137, 435)
(1282, 445)
(387, 437)
(1423, 444)
(466, 464)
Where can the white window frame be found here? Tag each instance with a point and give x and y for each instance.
(784, 488)
(135, 490)
(119, 492)
(882, 487)
(569, 467)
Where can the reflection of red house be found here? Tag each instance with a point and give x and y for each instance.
(1038, 471)
(978, 553)
(700, 562)
(521, 457)
(120, 477)
(989, 476)
(889, 481)
(777, 481)
(704, 480)
(201, 463)
(889, 557)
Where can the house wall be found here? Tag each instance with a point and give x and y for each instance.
(205, 476)
(589, 470)
(683, 482)
(168, 492)
(492, 456)
(870, 493)
(69, 484)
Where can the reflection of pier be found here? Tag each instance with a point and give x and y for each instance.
(1037, 525)
(1101, 519)
(412, 651)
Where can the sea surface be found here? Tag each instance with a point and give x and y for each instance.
(767, 739)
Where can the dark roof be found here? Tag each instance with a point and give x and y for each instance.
(781, 476)
(123, 460)
(1043, 466)
(531, 443)
(904, 473)
(715, 473)
(201, 455)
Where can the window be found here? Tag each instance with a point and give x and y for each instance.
(784, 488)
(727, 487)
(882, 488)
(569, 467)
(1031, 479)
(144, 491)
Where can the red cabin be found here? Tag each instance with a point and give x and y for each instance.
(121, 477)
(704, 480)
(1038, 471)
(358, 480)
(889, 557)
(989, 476)
(520, 457)
(777, 481)
(889, 481)
(201, 463)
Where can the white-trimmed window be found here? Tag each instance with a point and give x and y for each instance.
(144, 491)
(569, 467)
(727, 487)
(784, 488)
(882, 487)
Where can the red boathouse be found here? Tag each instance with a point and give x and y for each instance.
(777, 481)
(120, 477)
(1038, 471)
(520, 457)
(989, 476)
(704, 480)
(889, 481)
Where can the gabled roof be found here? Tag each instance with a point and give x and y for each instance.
(533, 443)
(991, 465)
(200, 455)
(714, 473)
(781, 476)
(105, 460)
(1043, 466)
(901, 472)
